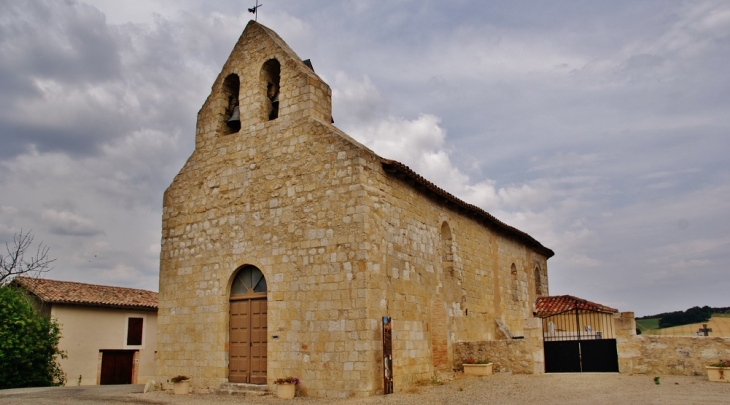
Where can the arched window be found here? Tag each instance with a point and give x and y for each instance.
(538, 282)
(447, 250)
(515, 283)
(270, 75)
(249, 281)
(231, 116)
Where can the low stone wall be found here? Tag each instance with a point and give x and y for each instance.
(637, 354)
(670, 355)
(518, 356)
(665, 355)
(507, 355)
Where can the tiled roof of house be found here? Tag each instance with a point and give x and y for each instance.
(398, 168)
(553, 305)
(67, 292)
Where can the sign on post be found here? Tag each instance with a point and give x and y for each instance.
(387, 355)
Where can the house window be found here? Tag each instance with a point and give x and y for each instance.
(134, 331)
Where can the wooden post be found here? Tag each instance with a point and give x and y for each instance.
(387, 355)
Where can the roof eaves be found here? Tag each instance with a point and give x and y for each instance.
(559, 304)
(48, 291)
(140, 307)
(395, 167)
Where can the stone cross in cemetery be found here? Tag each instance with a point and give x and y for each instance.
(704, 331)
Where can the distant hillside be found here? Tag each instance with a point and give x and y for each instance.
(719, 325)
(691, 316)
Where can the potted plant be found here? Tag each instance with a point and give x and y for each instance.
(719, 371)
(180, 385)
(477, 367)
(286, 387)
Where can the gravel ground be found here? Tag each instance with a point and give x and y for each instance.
(550, 389)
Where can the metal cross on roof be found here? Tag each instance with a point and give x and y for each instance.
(705, 330)
(255, 10)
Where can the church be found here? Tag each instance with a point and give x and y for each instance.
(285, 243)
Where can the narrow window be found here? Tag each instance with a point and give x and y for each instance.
(447, 249)
(515, 283)
(538, 281)
(232, 114)
(270, 74)
(134, 331)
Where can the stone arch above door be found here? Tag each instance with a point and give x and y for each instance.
(248, 332)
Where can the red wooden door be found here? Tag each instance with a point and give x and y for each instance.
(116, 367)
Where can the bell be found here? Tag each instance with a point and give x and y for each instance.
(234, 122)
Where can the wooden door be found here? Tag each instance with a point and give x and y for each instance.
(248, 337)
(258, 341)
(116, 367)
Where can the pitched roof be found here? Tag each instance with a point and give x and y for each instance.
(398, 168)
(67, 292)
(554, 305)
(391, 166)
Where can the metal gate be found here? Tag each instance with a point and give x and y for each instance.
(579, 341)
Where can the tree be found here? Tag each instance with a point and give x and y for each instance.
(15, 262)
(28, 343)
(692, 315)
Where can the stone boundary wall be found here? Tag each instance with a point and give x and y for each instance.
(507, 355)
(670, 355)
(665, 355)
(638, 354)
(517, 356)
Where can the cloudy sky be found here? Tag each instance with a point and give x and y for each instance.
(600, 128)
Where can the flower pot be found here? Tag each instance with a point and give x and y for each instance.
(181, 388)
(719, 374)
(478, 369)
(285, 390)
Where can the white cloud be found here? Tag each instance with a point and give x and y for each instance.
(602, 134)
(68, 223)
(8, 210)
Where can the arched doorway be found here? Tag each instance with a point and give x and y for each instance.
(247, 333)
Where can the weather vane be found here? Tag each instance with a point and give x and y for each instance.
(255, 10)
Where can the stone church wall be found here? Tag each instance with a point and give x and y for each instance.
(304, 232)
(438, 292)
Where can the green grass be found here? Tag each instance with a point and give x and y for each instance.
(720, 325)
(647, 324)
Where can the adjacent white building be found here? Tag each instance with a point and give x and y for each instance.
(108, 333)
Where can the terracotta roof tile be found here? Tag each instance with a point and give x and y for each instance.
(395, 167)
(553, 305)
(67, 292)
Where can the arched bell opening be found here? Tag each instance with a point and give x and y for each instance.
(232, 114)
(248, 335)
(270, 77)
